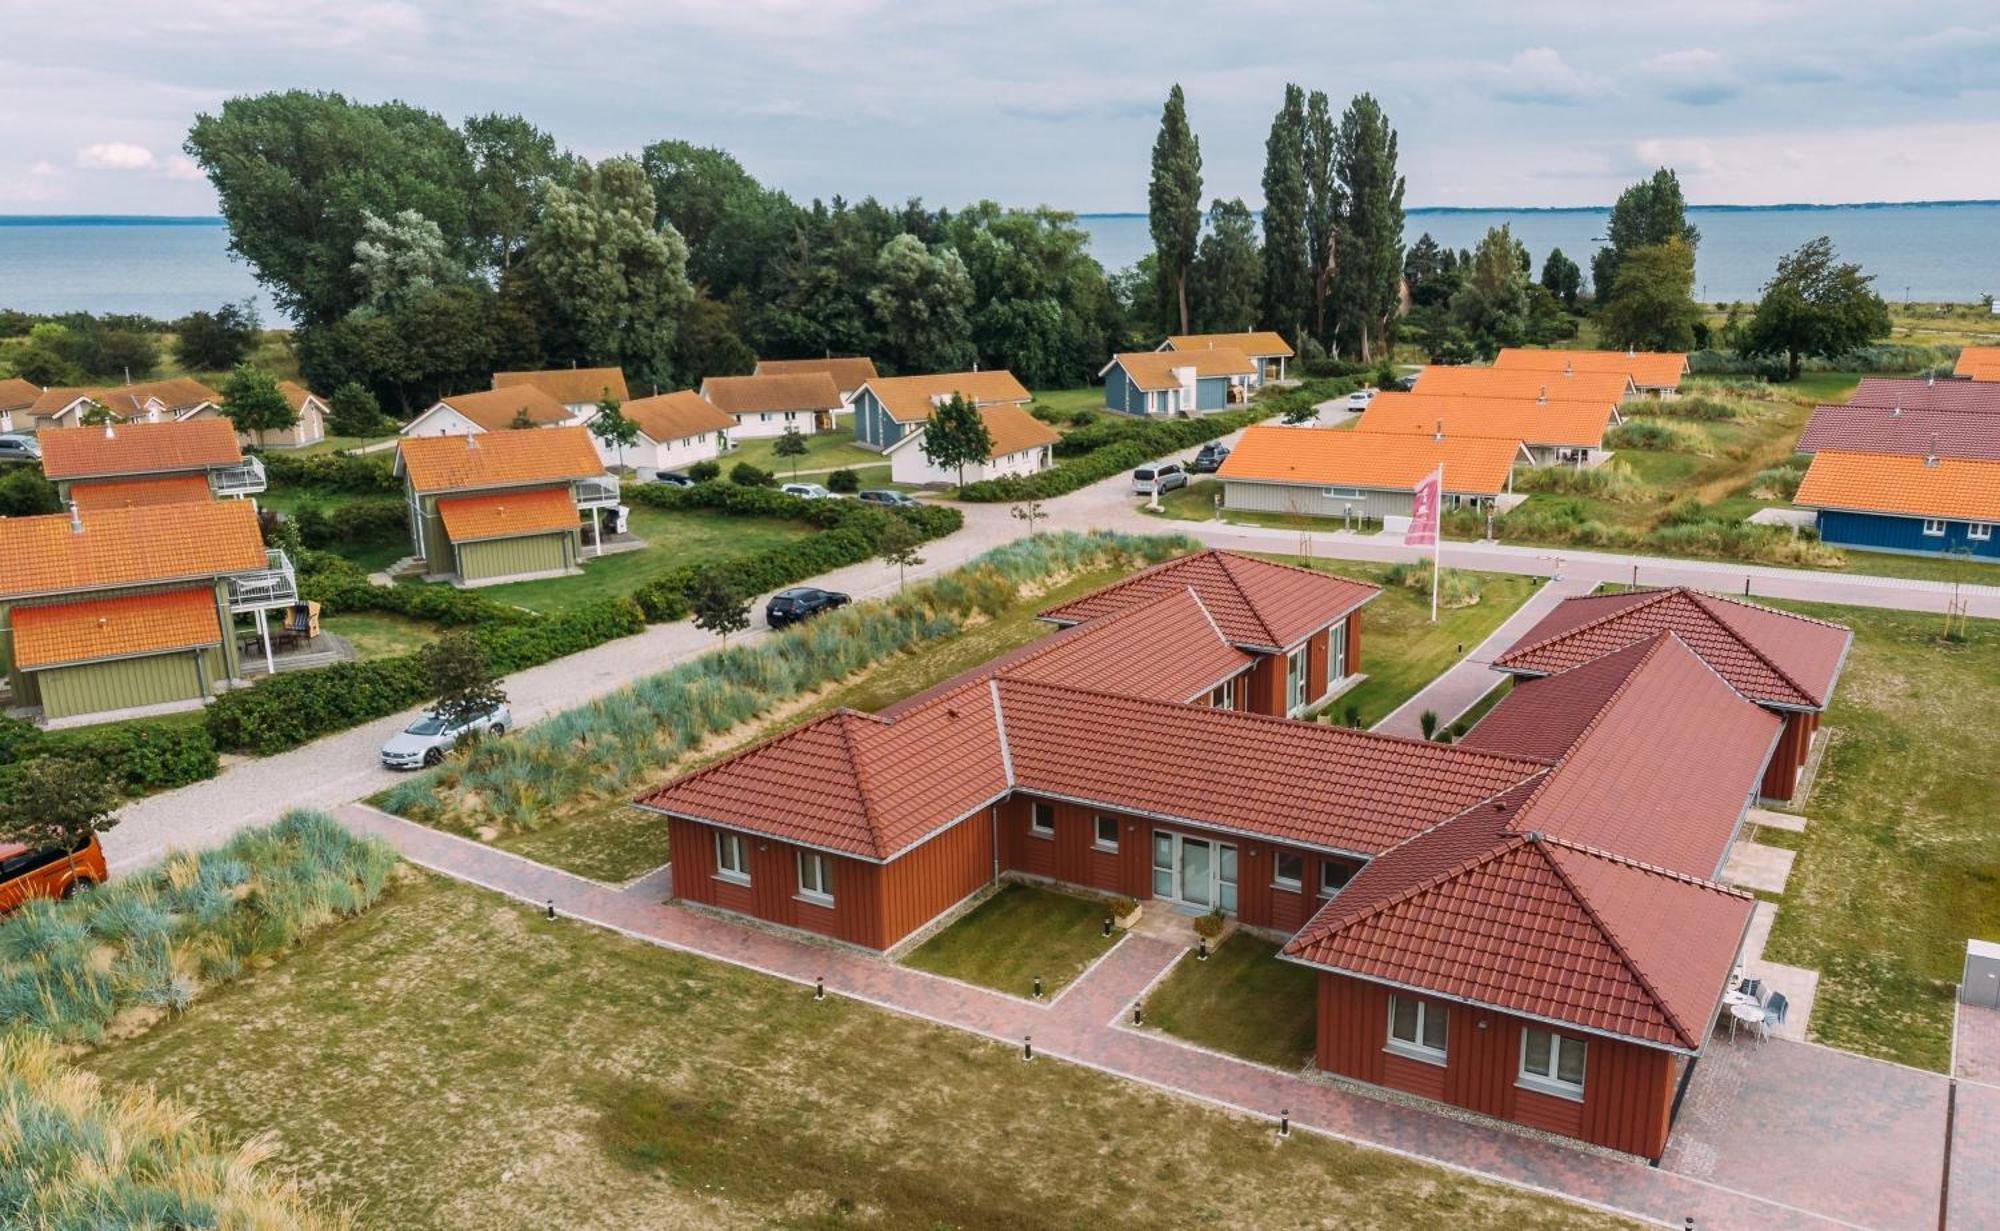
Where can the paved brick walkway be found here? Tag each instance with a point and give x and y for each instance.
(1086, 1025)
(1472, 677)
(1975, 1138)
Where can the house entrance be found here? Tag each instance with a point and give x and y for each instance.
(1195, 873)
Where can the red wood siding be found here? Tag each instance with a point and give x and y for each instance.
(1628, 1089)
(1266, 686)
(1794, 744)
(1354, 641)
(930, 879)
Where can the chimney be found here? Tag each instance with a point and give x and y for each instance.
(1543, 396)
(1930, 459)
(1896, 411)
(1439, 434)
(1569, 369)
(75, 518)
(1930, 379)
(110, 430)
(472, 440)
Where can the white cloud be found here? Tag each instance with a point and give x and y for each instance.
(1687, 156)
(1696, 76)
(1541, 75)
(114, 156)
(181, 167)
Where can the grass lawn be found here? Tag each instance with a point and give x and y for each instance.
(824, 451)
(1019, 933)
(1900, 860)
(672, 539)
(337, 444)
(378, 634)
(450, 1060)
(1242, 1000)
(1063, 401)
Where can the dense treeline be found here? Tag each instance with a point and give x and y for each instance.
(416, 257)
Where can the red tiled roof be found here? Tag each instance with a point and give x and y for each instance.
(1974, 396)
(1319, 458)
(141, 493)
(296, 395)
(1158, 369)
(1185, 655)
(911, 399)
(1257, 342)
(1569, 424)
(676, 416)
(1258, 604)
(507, 514)
(44, 555)
(497, 459)
(1452, 381)
(1978, 362)
(138, 448)
(1911, 433)
(1770, 656)
(126, 624)
(740, 395)
(569, 385)
(848, 372)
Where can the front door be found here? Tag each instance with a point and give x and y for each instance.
(1194, 872)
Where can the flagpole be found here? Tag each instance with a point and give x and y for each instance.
(1437, 546)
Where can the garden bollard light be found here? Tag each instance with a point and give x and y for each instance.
(1201, 949)
(1138, 1013)
(552, 910)
(1027, 1047)
(819, 988)
(1285, 1122)
(1038, 987)
(1107, 925)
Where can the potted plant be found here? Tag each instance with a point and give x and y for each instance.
(1210, 925)
(1124, 913)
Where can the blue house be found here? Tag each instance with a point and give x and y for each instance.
(888, 408)
(1915, 505)
(1178, 382)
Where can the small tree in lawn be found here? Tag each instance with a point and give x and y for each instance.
(1815, 304)
(718, 606)
(461, 680)
(252, 401)
(1029, 511)
(793, 445)
(613, 429)
(353, 411)
(57, 804)
(898, 545)
(956, 436)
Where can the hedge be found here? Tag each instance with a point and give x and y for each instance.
(341, 586)
(140, 757)
(368, 522)
(346, 473)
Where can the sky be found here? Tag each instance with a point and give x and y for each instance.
(1050, 102)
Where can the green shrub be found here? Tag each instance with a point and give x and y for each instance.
(362, 523)
(744, 474)
(1611, 481)
(1660, 435)
(844, 481)
(1692, 406)
(345, 473)
(705, 470)
(140, 757)
(1780, 482)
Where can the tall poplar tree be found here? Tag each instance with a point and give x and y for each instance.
(1323, 202)
(1367, 282)
(1650, 212)
(1174, 199)
(1286, 264)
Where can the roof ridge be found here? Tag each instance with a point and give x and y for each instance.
(1126, 582)
(846, 717)
(1228, 562)
(1207, 615)
(1653, 596)
(1687, 1036)
(1641, 865)
(1505, 843)
(1697, 598)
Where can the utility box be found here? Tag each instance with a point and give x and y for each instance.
(1981, 984)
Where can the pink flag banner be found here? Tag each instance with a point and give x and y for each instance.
(1425, 510)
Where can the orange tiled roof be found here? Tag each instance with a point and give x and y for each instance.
(499, 515)
(746, 395)
(909, 399)
(141, 493)
(1978, 362)
(127, 624)
(1013, 429)
(18, 394)
(44, 555)
(296, 394)
(1568, 424)
(848, 373)
(1154, 369)
(1949, 487)
(495, 410)
(1608, 387)
(176, 393)
(1648, 369)
(568, 385)
(676, 416)
(138, 448)
(1318, 457)
(56, 398)
(1257, 342)
(497, 459)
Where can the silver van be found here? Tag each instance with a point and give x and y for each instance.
(1158, 478)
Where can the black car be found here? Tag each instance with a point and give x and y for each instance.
(884, 496)
(1209, 460)
(800, 603)
(674, 478)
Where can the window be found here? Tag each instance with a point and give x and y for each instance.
(1224, 696)
(1295, 680)
(732, 858)
(1336, 651)
(815, 878)
(1107, 833)
(1417, 1028)
(1934, 527)
(1552, 1063)
(1042, 820)
(1333, 877)
(1979, 531)
(1290, 870)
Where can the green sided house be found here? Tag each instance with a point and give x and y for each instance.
(120, 465)
(503, 506)
(116, 610)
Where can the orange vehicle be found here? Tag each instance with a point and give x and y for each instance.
(50, 873)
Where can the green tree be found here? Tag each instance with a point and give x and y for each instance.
(1228, 270)
(1173, 200)
(95, 414)
(25, 493)
(709, 342)
(1287, 277)
(1323, 204)
(512, 163)
(922, 301)
(791, 445)
(1651, 306)
(898, 544)
(44, 358)
(216, 341)
(956, 436)
(1648, 213)
(461, 681)
(1563, 278)
(399, 259)
(1815, 304)
(353, 411)
(1029, 511)
(252, 401)
(123, 353)
(718, 606)
(1368, 277)
(54, 803)
(613, 429)
(611, 284)
(1491, 308)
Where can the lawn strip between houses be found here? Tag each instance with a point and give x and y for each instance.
(550, 1074)
(1243, 1001)
(1019, 935)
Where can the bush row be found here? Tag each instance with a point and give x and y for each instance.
(605, 746)
(1612, 481)
(1662, 435)
(1687, 530)
(137, 756)
(345, 473)
(341, 586)
(363, 523)
(1882, 357)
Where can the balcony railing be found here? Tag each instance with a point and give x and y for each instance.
(274, 585)
(245, 478)
(596, 493)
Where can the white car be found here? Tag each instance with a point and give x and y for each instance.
(1359, 399)
(807, 491)
(425, 741)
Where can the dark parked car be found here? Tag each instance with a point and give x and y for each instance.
(882, 495)
(1209, 460)
(800, 603)
(15, 448)
(674, 478)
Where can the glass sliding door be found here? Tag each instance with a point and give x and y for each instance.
(1197, 872)
(1163, 865)
(1225, 878)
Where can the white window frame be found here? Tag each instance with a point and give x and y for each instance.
(1278, 878)
(1036, 811)
(1326, 865)
(1097, 834)
(1933, 527)
(737, 843)
(1549, 1082)
(1979, 531)
(818, 887)
(1223, 695)
(1420, 1048)
(1297, 663)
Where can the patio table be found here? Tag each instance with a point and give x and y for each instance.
(1749, 1014)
